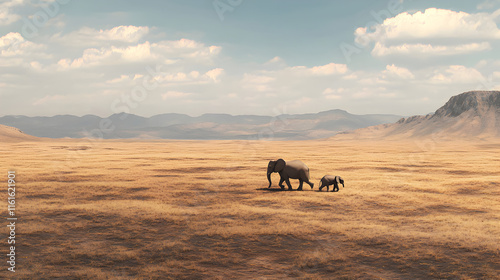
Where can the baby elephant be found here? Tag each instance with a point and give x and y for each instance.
(328, 180)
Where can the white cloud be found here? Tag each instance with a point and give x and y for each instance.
(15, 51)
(12, 3)
(174, 94)
(399, 72)
(121, 79)
(436, 23)
(352, 76)
(36, 65)
(120, 45)
(488, 4)
(328, 91)
(12, 11)
(432, 32)
(457, 74)
(275, 59)
(256, 82)
(90, 57)
(214, 74)
(185, 48)
(214, 50)
(428, 49)
(129, 33)
(194, 74)
(135, 53)
(177, 77)
(167, 52)
(13, 44)
(329, 69)
(275, 63)
(92, 37)
(323, 70)
(284, 79)
(191, 78)
(334, 94)
(8, 17)
(257, 79)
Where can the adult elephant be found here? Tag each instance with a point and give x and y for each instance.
(294, 169)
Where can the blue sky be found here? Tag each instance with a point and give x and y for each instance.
(242, 56)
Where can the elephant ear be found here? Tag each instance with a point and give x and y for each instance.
(280, 165)
(338, 179)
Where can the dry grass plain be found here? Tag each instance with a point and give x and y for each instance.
(201, 210)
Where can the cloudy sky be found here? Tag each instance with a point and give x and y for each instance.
(243, 56)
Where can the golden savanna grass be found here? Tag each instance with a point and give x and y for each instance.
(201, 210)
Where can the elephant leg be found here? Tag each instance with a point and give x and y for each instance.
(335, 187)
(281, 183)
(309, 183)
(287, 180)
(300, 185)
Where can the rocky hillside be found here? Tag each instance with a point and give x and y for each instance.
(473, 114)
(12, 134)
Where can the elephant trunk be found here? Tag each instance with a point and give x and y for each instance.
(269, 178)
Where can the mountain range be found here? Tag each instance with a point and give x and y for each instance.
(473, 114)
(205, 127)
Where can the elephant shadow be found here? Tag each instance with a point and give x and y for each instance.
(275, 190)
(285, 190)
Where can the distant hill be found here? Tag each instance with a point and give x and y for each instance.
(473, 114)
(208, 126)
(12, 134)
